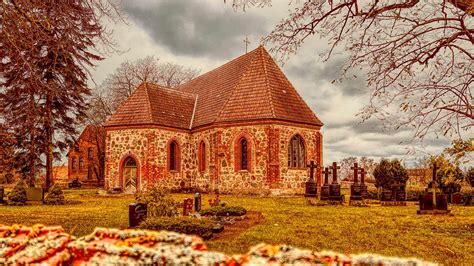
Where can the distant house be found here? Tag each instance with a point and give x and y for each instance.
(86, 157)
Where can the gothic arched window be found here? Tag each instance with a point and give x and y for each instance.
(296, 152)
(173, 156)
(202, 156)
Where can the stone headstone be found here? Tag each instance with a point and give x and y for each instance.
(325, 187)
(187, 206)
(386, 195)
(34, 194)
(311, 188)
(356, 191)
(363, 186)
(456, 198)
(335, 187)
(137, 212)
(433, 202)
(197, 201)
(400, 194)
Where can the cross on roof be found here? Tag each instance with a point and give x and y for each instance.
(247, 42)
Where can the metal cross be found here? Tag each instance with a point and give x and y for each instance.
(247, 42)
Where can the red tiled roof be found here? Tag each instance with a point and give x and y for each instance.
(152, 104)
(250, 87)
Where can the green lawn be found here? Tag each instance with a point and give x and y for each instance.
(391, 231)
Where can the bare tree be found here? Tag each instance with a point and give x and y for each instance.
(122, 83)
(418, 54)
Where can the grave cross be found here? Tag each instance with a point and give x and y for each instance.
(326, 173)
(334, 168)
(312, 166)
(356, 172)
(362, 175)
(247, 42)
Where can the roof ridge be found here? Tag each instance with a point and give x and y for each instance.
(266, 81)
(290, 85)
(217, 68)
(172, 89)
(194, 112)
(150, 115)
(236, 85)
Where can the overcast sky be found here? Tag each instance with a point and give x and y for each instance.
(207, 34)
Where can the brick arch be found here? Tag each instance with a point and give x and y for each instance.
(177, 154)
(121, 166)
(305, 148)
(237, 150)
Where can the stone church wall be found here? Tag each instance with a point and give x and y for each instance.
(268, 158)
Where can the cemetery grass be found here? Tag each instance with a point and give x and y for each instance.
(389, 231)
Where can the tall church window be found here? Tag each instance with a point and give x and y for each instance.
(73, 163)
(202, 156)
(81, 163)
(173, 155)
(244, 154)
(296, 152)
(90, 153)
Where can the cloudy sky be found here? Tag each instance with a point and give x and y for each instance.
(206, 34)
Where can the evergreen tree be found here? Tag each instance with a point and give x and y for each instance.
(55, 196)
(390, 173)
(18, 195)
(45, 49)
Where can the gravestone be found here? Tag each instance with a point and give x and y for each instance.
(456, 198)
(400, 193)
(335, 188)
(355, 187)
(311, 189)
(214, 202)
(325, 187)
(433, 202)
(363, 186)
(35, 194)
(197, 202)
(74, 183)
(386, 195)
(395, 196)
(137, 212)
(187, 206)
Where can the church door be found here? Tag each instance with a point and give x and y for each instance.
(130, 175)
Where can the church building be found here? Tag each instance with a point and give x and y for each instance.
(241, 128)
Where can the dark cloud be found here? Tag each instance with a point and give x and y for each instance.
(194, 28)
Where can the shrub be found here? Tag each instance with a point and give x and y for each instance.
(159, 203)
(185, 225)
(390, 173)
(55, 196)
(470, 176)
(224, 211)
(413, 194)
(18, 195)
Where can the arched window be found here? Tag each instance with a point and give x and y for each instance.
(202, 156)
(296, 152)
(173, 155)
(243, 154)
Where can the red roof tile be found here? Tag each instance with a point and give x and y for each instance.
(152, 104)
(250, 87)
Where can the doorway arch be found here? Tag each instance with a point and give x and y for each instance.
(130, 175)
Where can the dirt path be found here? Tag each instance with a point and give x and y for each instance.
(232, 231)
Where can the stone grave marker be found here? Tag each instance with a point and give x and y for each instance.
(197, 202)
(187, 206)
(325, 187)
(456, 198)
(433, 202)
(335, 188)
(355, 187)
(35, 194)
(311, 189)
(137, 212)
(363, 186)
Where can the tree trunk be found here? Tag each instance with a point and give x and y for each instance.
(49, 141)
(33, 150)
